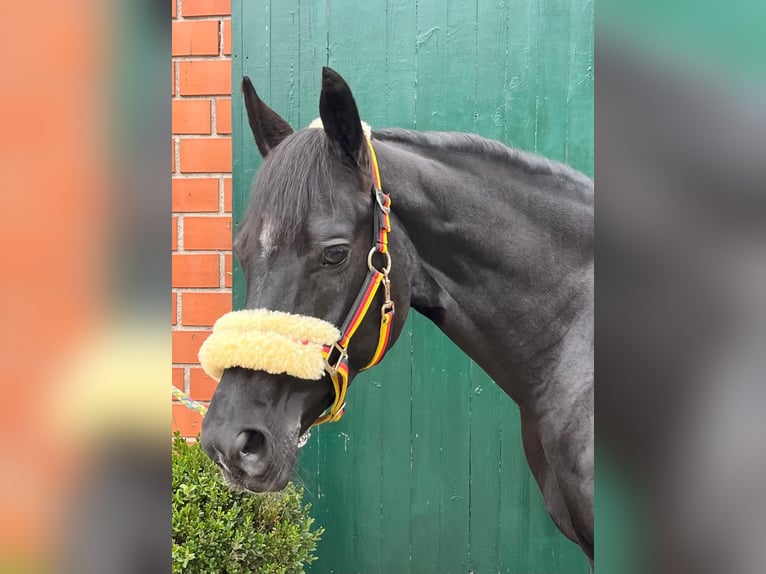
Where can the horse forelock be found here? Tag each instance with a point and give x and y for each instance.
(294, 179)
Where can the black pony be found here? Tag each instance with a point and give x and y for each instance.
(492, 244)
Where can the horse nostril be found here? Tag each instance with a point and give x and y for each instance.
(251, 442)
(252, 456)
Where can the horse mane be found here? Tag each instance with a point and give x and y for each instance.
(471, 143)
(296, 176)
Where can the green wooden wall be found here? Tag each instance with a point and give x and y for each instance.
(425, 473)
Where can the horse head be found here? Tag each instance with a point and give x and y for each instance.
(306, 247)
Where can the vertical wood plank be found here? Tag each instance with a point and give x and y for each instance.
(284, 80)
(240, 185)
(312, 55)
(553, 77)
(398, 94)
(521, 84)
(400, 70)
(493, 23)
(427, 478)
(580, 88)
(395, 460)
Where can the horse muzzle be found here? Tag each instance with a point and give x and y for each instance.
(250, 458)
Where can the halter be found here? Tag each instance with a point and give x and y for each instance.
(336, 355)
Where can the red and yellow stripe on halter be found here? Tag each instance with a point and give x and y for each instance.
(361, 309)
(375, 170)
(385, 335)
(382, 236)
(339, 371)
(339, 380)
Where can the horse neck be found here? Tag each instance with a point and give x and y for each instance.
(503, 243)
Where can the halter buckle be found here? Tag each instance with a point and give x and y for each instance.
(381, 198)
(342, 356)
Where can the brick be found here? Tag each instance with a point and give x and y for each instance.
(186, 345)
(186, 421)
(175, 6)
(227, 194)
(206, 155)
(201, 386)
(191, 116)
(175, 308)
(202, 309)
(174, 233)
(178, 378)
(195, 270)
(223, 115)
(207, 232)
(190, 195)
(205, 77)
(206, 8)
(227, 37)
(195, 38)
(227, 274)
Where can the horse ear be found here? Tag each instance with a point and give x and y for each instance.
(340, 116)
(268, 128)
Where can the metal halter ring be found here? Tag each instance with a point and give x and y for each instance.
(387, 255)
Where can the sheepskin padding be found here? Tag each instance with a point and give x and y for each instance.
(318, 125)
(270, 341)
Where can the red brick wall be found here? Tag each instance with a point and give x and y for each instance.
(201, 220)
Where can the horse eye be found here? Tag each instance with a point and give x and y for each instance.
(334, 254)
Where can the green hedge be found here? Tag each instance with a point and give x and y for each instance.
(217, 530)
